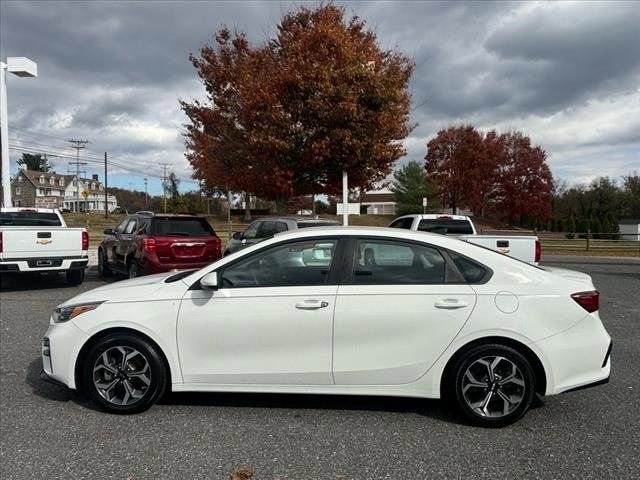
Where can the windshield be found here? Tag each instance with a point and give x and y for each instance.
(30, 219)
(181, 227)
(446, 226)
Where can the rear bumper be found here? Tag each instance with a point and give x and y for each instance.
(152, 265)
(44, 264)
(579, 357)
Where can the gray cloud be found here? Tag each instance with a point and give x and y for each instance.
(565, 73)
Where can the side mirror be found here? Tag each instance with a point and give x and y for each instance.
(237, 236)
(210, 281)
(108, 231)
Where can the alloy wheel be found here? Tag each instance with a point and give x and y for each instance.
(493, 386)
(121, 375)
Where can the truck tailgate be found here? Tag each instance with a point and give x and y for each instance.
(520, 247)
(32, 242)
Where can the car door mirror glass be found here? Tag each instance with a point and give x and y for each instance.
(210, 281)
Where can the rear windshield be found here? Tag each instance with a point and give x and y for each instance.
(446, 226)
(30, 219)
(181, 227)
(317, 224)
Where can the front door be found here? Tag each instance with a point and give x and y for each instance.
(270, 322)
(397, 314)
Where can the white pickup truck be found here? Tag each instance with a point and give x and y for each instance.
(525, 248)
(38, 240)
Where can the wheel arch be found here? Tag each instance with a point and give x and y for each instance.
(536, 364)
(95, 338)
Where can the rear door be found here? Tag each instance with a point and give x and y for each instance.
(397, 313)
(184, 240)
(110, 243)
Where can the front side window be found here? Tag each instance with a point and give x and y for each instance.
(251, 231)
(397, 263)
(293, 264)
(267, 229)
(404, 223)
(123, 224)
(131, 226)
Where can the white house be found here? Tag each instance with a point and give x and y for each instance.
(629, 229)
(95, 198)
(379, 202)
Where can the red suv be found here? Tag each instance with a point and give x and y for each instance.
(146, 243)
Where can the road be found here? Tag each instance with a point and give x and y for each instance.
(49, 432)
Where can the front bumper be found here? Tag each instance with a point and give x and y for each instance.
(60, 348)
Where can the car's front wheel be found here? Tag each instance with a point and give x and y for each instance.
(124, 373)
(103, 266)
(493, 385)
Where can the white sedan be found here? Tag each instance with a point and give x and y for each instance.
(361, 311)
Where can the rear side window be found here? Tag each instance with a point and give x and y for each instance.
(181, 227)
(404, 223)
(446, 226)
(397, 263)
(471, 271)
(30, 219)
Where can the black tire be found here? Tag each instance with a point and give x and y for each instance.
(486, 401)
(146, 393)
(75, 277)
(132, 269)
(103, 267)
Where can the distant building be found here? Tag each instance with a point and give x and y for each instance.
(629, 229)
(52, 190)
(379, 202)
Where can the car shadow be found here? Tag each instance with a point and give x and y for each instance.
(431, 408)
(44, 281)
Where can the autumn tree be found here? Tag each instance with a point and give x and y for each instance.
(286, 118)
(410, 186)
(453, 164)
(524, 181)
(35, 161)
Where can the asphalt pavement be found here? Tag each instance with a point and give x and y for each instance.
(50, 432)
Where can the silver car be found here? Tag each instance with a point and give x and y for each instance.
(264, 228)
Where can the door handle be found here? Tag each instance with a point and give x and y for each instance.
(311, 305)
(450, 303)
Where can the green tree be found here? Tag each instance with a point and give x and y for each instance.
(572, 224)
(596, 226)
(35, 161)
(410, 186)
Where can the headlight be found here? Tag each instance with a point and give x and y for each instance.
(64, 314)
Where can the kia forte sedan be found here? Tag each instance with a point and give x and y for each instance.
(361, 311)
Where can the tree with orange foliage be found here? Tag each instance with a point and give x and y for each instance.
(286, 118)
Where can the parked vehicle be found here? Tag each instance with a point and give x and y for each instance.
(38, 240)
(146, 243)
(264, 228)
(526, 248)
(363, 311)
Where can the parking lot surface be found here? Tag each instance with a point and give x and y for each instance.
(50, 432)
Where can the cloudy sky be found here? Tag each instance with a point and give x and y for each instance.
(567, 74)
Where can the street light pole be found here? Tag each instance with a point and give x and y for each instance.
(345, 199)
(22, 67)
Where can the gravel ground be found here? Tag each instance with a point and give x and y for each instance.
(50, 432)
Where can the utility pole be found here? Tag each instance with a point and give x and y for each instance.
(146, 197)
(78, 145)
(164, 184)
(106, 205)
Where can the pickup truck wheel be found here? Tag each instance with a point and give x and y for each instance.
(75, 277)
(103, 268)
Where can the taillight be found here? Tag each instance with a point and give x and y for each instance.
(538, 251)
(149, 245)
(0, 242)
(85, 240)
(590, 301)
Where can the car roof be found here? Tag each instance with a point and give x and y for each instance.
(436, 216)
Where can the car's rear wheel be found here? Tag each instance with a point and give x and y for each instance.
(493, 385)
(124, 374)
(75, 277)
(103, 267)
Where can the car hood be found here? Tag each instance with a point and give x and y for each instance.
(127, 290)
(571, 275)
